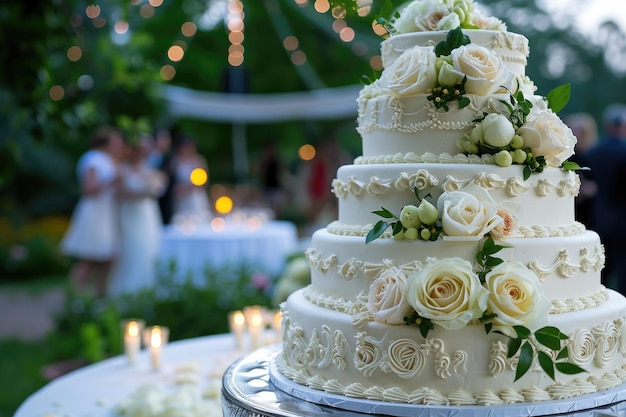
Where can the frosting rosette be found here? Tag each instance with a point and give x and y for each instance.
(412, 73)
(486, 73)
(447, 292)
(468, 214)
(387, 297)
(546, 135)
(516, 298)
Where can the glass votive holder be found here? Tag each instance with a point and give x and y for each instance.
(131, 337)
(155, 338)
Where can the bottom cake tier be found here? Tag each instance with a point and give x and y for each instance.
(324, 350)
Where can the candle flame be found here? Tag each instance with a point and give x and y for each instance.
(238, 318)
(256, 320)
(133, 329)
(155, 338)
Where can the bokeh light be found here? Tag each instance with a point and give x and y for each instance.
(120, 27)
(188, 29)
(298, 58)
(254, 223)
(155, 3)
(224, 204)
(167, 72)
(306, 152)
(74, 53)
(175, 53)
(218, 224)
(56, 92)
(290, 43)
(92, 11)
(146, 11)
(198, 177)
(321, 6)
(376, 63)
(347, 34)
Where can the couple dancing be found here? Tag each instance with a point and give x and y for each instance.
(116, 225)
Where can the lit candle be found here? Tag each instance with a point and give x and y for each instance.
(254, 319)
(155, 338)
(132, 338)
(237, 322)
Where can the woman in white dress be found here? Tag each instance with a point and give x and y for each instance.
(190, 201)
(91, 237)
(140, 224)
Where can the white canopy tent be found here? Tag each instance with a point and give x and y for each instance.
(325, 103)
(243, 109)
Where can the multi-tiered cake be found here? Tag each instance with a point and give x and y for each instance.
(456, 272)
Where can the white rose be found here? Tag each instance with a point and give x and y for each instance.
(406, 21)
(546, 135)
(429, 21)
(449, 22)
(412, 73)
(498, 131)
(485, 71)
(387, 297)
(516, 297)
(488, 22)
(467, 214)
(448, 292)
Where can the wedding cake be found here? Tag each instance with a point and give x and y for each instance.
(456, 273)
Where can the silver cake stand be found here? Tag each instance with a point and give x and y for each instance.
(252, 387)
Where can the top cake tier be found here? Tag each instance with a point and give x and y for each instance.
(445, 93)
(512, 48)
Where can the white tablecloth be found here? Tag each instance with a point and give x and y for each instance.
(96, 390)
(196, 247)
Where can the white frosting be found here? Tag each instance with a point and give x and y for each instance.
(511, 47)
(394, 363)
(543, 205)
(567, 281)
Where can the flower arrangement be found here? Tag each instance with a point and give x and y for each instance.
(505, 297)
(467, 214)
(430, 15)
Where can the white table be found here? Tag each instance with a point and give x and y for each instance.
(96, 390)
(263, 246)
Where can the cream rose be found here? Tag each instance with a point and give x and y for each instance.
(468, 214)
(516, 297)
(504, 228)
(448, 292)
(412, 73)
(387, 297)
(485, 71)
(546, 135)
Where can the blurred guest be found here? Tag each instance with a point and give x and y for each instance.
(139, 222)
(272, 174)
(189, 197)
(584, 127)
(92, 237)
(607, 161)
(160, 158)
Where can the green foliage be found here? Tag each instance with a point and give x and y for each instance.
(559, 97)
(187, 309)
(485, 259)
(454, 39)
(423, 324)
(549, 344)
(442, 96)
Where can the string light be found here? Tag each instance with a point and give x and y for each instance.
(235, 25)
(74, 53)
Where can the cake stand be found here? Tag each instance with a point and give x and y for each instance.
(252, 387)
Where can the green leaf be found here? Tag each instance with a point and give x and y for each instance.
(464, 102)
(573, 166)
(512, 347)
(384, 213)
(488, 327)
(376, 232)
(525, 360)
(548, 340)
(568, 368)
(546, 363)
(559, 97)
(522, 332)
(563, 354)
(527, 172)
(425, 326)
(553, 331)
(493, 261)
(397, 227)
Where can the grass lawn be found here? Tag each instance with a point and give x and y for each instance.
(20, 372)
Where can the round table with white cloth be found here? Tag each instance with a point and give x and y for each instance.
(189, 378)
(263, 246)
